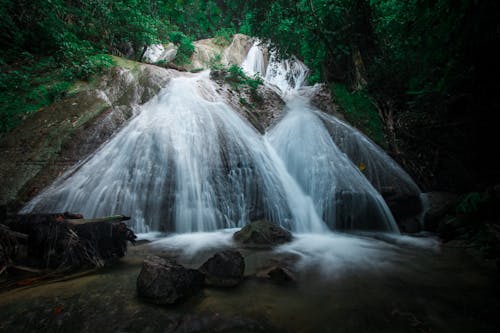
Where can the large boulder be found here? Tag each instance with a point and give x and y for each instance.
(164, 281)
(406, 207)
(160, 52)
(262, 107)
(262, 233)
(438, 205)
(277, 274)
(210, 51)
(321, 98)
(224, 269)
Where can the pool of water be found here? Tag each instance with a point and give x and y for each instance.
(344, 283)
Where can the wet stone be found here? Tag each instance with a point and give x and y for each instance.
(164, 281)
(224, 269)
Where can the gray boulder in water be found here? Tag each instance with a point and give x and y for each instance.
(164, 281)
(224, 269)
(262, 233)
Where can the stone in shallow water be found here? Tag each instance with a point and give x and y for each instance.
(262, 233)
(281, 275)
(164, 281)
(224, 269)
(277, 274)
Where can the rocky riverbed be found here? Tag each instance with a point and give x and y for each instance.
(342, 283)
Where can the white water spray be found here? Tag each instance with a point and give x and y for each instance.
(188, 163)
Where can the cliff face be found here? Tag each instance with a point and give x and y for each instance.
(208, 52)
(66, 132)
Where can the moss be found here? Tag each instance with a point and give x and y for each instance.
(262, 233)
(125, 63)
(359, 110)
(197, 70)
(35, 82)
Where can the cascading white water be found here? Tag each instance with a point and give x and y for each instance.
(255, 62)
(283, 75)
(343, 197)
(188, 163)
(286, 74)
(381, 170)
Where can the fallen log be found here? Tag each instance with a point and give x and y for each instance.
(64, 241)
(6, 231)
(113, 218)
(9, 246)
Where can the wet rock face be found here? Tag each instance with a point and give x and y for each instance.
(50, 141)
(164, 281)
(439, 203)
(261, 108)
(278, 275)
(208, 51)
(160, 52)
(405, 207)
(321, 98)
(262, 233)
(224, 269)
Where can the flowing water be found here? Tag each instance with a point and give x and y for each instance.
(187, 162)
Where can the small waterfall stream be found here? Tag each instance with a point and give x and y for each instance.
(342, 195)
(187, 162)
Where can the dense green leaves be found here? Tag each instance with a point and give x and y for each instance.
(360, 111)
(48, 44)
(184, 44)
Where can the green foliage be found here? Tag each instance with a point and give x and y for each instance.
(475, 222)
(359, 110)
(430, 62)
(28, 88)
(185, 46)
(237, 77)
(215, 63)
(238, 80)
(469, 203)
(41, 81)
(236, 74)
(320, 32)
(92, 65)
(224, 36)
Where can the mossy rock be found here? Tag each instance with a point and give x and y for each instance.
(262, 233)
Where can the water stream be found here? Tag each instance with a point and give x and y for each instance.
(188, 162)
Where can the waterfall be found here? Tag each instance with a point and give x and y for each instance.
(188, 162)
(283, 75)
(381, 170)
(342, 170)
(343, 197)
(254, 62)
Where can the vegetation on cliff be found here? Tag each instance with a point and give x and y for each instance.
(427, 65)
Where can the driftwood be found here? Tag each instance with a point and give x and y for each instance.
(66, 241)
(13, 234)
(9, 246)
(114, 218)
